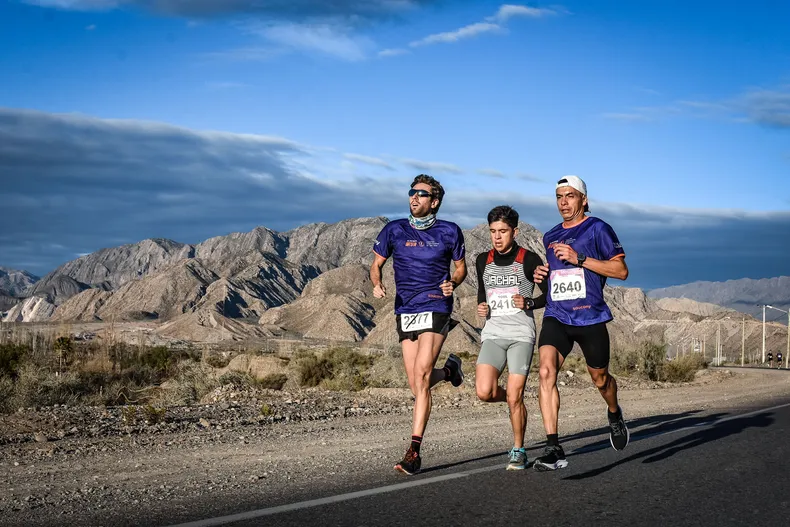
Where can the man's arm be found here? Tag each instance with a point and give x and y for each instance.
(531, 263)
(480, 266)
(375, 275)
(459, 275)
(614, 268)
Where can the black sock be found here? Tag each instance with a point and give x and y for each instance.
(614, 416)
(552, 440)
(416, 441)
(447, 373)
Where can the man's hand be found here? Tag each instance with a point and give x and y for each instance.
(518, 301)
(379, 291)
(566, 253)
(541, 272)
(447, 288)
(482, 310)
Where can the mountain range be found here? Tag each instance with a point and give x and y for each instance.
(310, 282)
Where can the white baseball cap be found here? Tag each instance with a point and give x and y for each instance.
(574, 182)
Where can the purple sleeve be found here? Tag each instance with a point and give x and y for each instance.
(459, 248)
(607, 242)
(383, 246)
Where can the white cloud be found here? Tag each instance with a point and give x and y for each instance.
(393, 52)
(529, 177)
(369, 160)
(250, 54)
(90, 27)
(432, 166)
(508, 11)
(459, 34)
(79, 5)
(491, 173)
(322, 39)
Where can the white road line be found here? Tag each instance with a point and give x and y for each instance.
(251, 515)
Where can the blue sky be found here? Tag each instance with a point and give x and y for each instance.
(122, 120)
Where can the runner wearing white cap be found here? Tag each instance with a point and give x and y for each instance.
(581, 253)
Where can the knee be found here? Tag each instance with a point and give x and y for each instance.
(422, 380)
(548, 373)
(602, 380)
(484, 393)
(515, 400)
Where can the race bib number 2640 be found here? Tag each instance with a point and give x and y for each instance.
(568, 284)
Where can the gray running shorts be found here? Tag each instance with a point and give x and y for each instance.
(517, 354)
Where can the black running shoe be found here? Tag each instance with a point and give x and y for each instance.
(410, 464)
(619, 436)
(453, 363)
(553, 458)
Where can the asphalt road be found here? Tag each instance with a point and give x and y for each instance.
(722, 468)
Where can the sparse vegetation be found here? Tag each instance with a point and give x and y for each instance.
(335, 369)
(273, 381)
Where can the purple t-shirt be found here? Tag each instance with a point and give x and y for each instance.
(575, 294)
(421, 260)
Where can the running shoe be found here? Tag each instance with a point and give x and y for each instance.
(619, 436)
(518, 459)
(553, 458)
(453, 363)
(410, 464)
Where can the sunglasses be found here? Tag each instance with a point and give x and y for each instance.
(419, 192)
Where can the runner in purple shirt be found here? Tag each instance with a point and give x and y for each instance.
(422, 248)
(581, 253)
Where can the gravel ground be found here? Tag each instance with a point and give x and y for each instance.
(108, 466)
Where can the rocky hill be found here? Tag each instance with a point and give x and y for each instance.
(14, 283)
(311, 282)
(745, 295)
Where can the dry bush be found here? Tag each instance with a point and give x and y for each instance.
(273, 381)
(217, 361)
(336, 369)
(683, 369)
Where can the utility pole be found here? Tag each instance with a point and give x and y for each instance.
(743, 338)
(788, 338)
(763, 362)
(718, 345)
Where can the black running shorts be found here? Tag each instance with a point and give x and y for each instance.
(411, 326)
(593, 340)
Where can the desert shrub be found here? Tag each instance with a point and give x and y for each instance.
(6, 394)
(683, 369)
(237, 379)
(191, 382)
(335, 369)
(273, 381)
(652, 358)
(217, 361)
(11, 357)
(153, 415)
(312, 370)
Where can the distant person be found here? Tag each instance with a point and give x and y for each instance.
(581, 253)
(504, 296)
(770, 360)
(779, 360)
(422, 248)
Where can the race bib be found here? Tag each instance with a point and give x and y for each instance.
(416, 322)
(500, 301)
(568, 284)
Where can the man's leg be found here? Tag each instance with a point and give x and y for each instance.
(425, 376)
(518, 411)
(490, 363)
(410, 350)
(548, 394)
(607, 386)
(594, 342)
